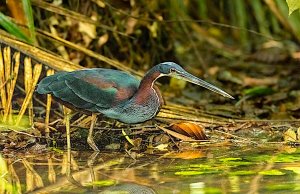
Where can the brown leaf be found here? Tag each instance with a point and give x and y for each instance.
(190, 129)
(175, 134)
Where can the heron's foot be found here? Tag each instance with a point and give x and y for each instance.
(92, 144)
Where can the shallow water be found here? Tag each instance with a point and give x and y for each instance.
(246, 169)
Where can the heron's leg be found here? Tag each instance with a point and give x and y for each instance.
(90, 138)
(67, 113)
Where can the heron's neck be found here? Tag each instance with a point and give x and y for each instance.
(147, 87)
(148, 80)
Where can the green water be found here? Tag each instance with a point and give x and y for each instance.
(246, 169)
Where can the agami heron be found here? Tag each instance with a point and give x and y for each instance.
(116, 94)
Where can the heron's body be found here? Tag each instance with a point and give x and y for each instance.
(114, 93)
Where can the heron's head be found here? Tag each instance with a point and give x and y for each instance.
(174, 70)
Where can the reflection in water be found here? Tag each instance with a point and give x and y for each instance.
(61, 172)
(221, 170)
(128, 188)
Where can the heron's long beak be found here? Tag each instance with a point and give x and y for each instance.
(190, 78)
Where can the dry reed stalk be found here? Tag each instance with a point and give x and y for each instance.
(7, 67)
(11, 78)
(6, 82)
(2, 83)
(36, 74)
(48, 107)
(28, 84)
(81, 120)
(14, 77)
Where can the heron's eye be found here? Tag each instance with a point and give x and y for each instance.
(172, 70)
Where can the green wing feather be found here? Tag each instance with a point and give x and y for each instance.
(89, 89)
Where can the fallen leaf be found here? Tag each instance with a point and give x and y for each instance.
(175, 134)
(190, 129)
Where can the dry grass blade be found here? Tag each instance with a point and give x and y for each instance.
(82, 121)
(28, 84)
(7, 67)
(36, 74)
(48, 106)
(172, 115)
(15, 71)
(40, 55)
(2, 81)
(187, 112)
(11, 74)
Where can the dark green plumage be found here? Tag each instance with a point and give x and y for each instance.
(80, 89)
